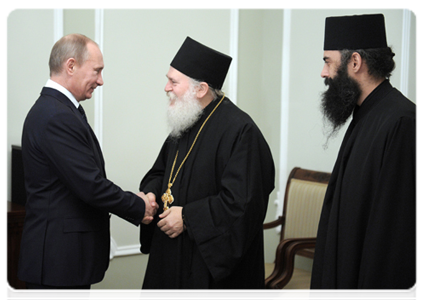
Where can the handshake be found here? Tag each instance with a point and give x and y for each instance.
(150, 206)
(171, 221)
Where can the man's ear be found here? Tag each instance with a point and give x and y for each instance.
(70, 66)
(356, 62)
(203, 90)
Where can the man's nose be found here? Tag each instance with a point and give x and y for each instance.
(325, 72)
(100, 81)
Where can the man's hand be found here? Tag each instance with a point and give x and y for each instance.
(171, 221)
(150, 206)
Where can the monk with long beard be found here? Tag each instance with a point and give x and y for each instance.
(213, 176)
(367, 231)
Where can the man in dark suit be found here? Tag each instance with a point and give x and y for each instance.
(66, 239)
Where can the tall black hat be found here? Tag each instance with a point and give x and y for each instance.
(202, 63)
(355, 32)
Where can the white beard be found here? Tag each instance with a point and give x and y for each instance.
(183, 112)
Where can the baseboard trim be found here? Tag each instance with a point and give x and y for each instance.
(116, 251)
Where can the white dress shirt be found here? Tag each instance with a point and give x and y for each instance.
(54, 85)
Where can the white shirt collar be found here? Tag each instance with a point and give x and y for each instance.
(54, 85)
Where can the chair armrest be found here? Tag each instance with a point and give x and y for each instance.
(275, 223)
(284, 262)
(308, 252)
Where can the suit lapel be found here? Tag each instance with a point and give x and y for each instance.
(97, 150)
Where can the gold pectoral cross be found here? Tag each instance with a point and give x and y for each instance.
(167, 197)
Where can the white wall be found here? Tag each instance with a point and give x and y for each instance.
(138, 46)
(259, 88)
(28, 49)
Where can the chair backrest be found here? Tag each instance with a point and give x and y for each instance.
(304, 195)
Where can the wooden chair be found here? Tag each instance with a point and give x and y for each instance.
(304, 194)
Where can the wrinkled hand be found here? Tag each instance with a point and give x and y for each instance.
(171, 221)
(150, 207)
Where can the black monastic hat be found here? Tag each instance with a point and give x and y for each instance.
(202, 63)
(355, 32)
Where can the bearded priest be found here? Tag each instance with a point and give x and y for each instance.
(213, 176)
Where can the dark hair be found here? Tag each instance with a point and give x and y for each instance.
(380, 61)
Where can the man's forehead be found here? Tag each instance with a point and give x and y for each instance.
(333, 55)
(94, 55)
(175, 74)
(95, 63)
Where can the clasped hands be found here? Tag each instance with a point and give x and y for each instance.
(171, 222)
(150, 207)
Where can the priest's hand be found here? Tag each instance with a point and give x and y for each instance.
(150, 207)
(171, 221)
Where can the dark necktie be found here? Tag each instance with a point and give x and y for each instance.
(81, 110)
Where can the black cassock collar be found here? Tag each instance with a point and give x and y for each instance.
(372, 99)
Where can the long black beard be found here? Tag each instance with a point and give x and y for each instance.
(339, 101)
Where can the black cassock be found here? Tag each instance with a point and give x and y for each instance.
(223, 188)
(367, 231)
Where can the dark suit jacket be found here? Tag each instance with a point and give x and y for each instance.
(66, 239)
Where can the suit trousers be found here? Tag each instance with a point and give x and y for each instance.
(44, 292)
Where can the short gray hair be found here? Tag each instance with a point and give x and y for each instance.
(69, 46)
(215, 92)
